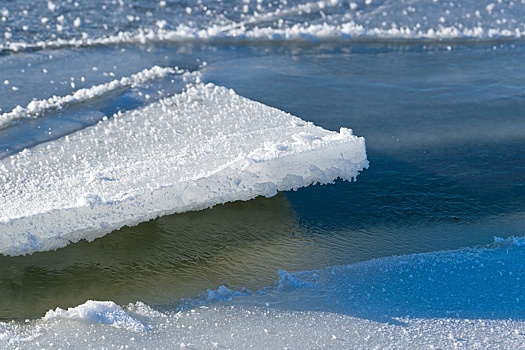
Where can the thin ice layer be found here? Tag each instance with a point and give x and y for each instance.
(197, 149)
(470, 298)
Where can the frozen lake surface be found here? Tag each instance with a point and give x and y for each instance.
(405, 257)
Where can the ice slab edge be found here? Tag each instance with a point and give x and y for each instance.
(203, 147)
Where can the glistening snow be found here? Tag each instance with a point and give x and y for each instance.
(200, 148)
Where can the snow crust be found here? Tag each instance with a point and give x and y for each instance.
(236, 327)
(200, 148)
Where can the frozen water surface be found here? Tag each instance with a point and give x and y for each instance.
(403, 258)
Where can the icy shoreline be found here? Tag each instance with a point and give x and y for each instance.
(376, 303)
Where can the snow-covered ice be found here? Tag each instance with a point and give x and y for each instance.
(283, 22)
(200, 148)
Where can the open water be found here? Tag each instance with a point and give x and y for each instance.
(437, 88)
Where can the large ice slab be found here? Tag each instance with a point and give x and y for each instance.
(191, 151)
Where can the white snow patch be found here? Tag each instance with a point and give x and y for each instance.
(99, 312)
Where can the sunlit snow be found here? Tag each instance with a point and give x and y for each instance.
(200, 148)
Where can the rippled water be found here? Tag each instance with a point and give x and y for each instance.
(446, 172)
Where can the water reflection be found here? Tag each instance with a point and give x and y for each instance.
(240, 244)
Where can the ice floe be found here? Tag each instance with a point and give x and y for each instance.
(202, 147)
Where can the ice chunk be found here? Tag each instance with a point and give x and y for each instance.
(191, 151)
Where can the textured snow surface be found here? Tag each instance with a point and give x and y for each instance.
(242, 327)
(191, 151)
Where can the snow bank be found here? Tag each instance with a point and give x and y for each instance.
(197, 149)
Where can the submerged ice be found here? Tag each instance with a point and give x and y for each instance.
(204, 146)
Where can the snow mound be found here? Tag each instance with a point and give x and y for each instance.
(99, 312)
(200, 148)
